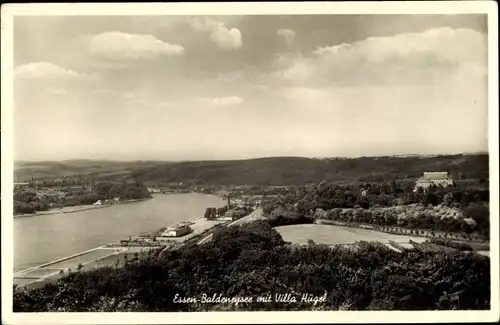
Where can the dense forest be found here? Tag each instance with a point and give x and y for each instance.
(294, 171)
(253, 261)
(266, 171)
(29, 201)
(391, 203)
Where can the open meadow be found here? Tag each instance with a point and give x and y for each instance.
(337, 235)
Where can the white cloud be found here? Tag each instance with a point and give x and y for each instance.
(288, 35)
(45, 70)
(444, 44)
(411, 57)
(223, 101)
(123, 46)
(225, 38)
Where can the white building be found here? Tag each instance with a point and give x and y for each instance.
(433, 178)
(98, 202)
(177, 231)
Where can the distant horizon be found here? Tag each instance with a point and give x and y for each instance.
(254, 158)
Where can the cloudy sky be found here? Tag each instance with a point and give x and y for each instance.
(232, 87)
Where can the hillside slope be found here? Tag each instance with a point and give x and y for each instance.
(82, 167)
(262, 171)
(291, 170)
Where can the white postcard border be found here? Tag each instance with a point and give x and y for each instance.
(299, 8)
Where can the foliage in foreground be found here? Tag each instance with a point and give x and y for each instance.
(252, 260)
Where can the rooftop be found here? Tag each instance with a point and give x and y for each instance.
(177, 227)
(436, 175)
(470, 221)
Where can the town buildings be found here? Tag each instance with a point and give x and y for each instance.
(21, 185)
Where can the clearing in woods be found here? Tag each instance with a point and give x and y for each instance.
(335, 235)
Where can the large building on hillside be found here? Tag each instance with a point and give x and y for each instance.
(433, 178)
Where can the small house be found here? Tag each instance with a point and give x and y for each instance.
(98, 202)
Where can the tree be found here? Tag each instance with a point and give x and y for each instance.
(253, 260)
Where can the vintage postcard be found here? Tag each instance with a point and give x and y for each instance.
(250, 162)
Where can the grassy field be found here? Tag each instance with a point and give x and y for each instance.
(335, 235)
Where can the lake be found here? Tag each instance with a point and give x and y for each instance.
(44, 238)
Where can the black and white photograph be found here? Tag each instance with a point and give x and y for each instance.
(181, 159)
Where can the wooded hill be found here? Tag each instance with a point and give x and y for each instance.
(77, 168)
(293, 170)
(265, 171)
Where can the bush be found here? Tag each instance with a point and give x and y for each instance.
(461, 246)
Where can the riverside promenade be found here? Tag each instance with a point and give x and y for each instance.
(106, 255)
(63, 265)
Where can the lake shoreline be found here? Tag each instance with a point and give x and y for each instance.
(119, 250)
(76, 208)
(123, 221)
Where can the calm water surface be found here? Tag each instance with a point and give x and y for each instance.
(44, 238)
